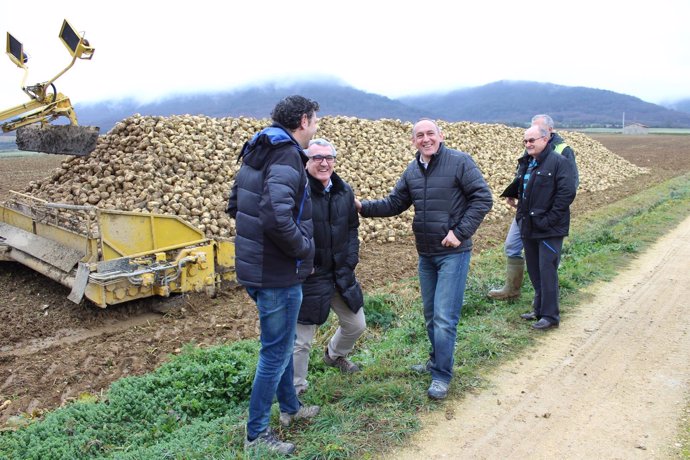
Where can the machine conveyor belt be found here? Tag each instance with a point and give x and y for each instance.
(49, 251)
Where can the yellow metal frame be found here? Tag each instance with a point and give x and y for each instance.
(133, 234)
(162, 254)
(20, 58)
(81, 49)
(51, 231)
(52, 107)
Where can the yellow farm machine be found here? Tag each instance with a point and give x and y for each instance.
(110, 257)
(31, 120)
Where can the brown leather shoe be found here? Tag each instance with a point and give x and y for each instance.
(544, 324)
(531, 316)
(345, 365)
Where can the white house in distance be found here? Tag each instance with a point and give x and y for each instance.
(635, 128)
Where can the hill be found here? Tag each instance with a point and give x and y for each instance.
(683, 105)
(507, 102)
(514, 103)
(255, 102)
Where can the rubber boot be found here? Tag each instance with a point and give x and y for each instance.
(515, 273)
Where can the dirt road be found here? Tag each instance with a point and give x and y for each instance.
(610, 383)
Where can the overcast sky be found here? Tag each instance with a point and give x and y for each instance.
(147, 49)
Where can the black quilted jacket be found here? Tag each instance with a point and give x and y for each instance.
(450, 194)
(337, 252)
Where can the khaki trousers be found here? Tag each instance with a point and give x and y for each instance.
(350, 328)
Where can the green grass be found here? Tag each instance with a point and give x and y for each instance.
(195, 405)
(679, 131)
(684, 432)
(8, 148)
(18, 153)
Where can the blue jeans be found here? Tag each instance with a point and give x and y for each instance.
(442, 283)
(513, 245)
(278, 310)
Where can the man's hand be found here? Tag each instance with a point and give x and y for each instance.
(358, 205)
(451, 241)
(512, 202)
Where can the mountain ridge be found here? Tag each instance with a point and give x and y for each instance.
(506, 102)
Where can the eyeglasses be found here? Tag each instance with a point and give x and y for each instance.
(531, 140)
(320, 158)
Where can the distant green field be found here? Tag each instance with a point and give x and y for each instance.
(18, 153)
(8, 148)
(7, 143)
(680, 131)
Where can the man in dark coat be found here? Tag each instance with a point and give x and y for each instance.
(274, 251)
(332, 285)
(546, 188)
(515, 263)
(450, 198)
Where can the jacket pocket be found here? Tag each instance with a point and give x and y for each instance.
(538, 220)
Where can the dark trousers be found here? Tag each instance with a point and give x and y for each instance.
(542, 257)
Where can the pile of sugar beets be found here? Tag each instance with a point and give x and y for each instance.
(185, 165)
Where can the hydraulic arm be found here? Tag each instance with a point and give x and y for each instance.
(32, 119)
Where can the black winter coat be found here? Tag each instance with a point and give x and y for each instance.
(337, 252)
(544, 210)
(554, 141)
(450, 193)
(272, 209)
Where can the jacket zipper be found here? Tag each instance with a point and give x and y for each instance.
(299, 219)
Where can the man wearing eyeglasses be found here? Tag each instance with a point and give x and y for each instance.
(545, 189)
(332, 285)
(515, 263)
(450, 198)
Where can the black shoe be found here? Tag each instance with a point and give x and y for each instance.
(531, 316)
(543, 324)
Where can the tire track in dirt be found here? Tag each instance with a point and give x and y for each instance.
(45, 372)
(72, 336)
(609, 383)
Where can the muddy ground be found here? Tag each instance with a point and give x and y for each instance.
(51, 350)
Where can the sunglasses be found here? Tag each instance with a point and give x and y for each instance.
(531, 140)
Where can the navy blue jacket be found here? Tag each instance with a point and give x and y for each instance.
(450, 194)
(544, 210)
(272, 209)
(337, 252)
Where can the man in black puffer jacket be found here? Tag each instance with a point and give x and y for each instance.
(450, 198)
(333, 284)
(274, 252)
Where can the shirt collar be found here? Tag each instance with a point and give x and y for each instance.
(328, 187)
